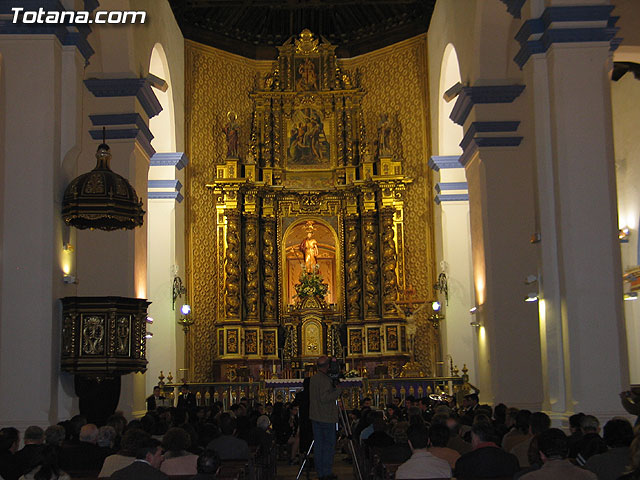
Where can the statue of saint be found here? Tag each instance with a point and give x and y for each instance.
(309, 248)
(231, 130)
(384, 132)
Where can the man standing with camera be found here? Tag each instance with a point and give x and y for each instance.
(323, 413)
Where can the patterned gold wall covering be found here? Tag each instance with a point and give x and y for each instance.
(217, 82)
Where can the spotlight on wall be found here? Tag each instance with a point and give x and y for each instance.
(530, 279)
(186, 309)
(149, 320)
(148, 335)
(623, 235)
(631, 296)
(436, 306)
(69, 279)
(473, 310)
(453, 92)
(476, 324)
(185, 320)
(531, 297)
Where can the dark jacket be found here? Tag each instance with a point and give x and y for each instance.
(486, 462)
(139, 470)
(28, 457)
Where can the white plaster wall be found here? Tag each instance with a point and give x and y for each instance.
(625, 101)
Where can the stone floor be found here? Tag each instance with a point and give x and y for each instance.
(341, 468)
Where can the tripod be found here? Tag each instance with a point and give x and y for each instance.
(346, 427)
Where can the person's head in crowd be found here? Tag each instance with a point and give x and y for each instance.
(89, 433)
(439, 435)
(323, 363)
(399, 433)
(634, 467)
(396, 401)
(409, 401)
(235, 410)
(34, 435)
(106, 436)
(392, 410)
(442, 410)
(354, 415)
(9, 439)
(589, 424)
(259, 408)
(553, 445)
(180, 417)
(75, 424)
(500, 414)
(118, 422)
(414, 415)
(151, 452)
(228, 424)
(617, 432)
(539, 422)
(263, 422)
(156, 392)
(418, 437)
(470, 400)
(366, 402)
(54, 435)
(379, 425)
(176, 441)
(268, 408)
(423, 404)
(135, 423)
(184, 389)
(439, 419)
(208, 463)
(575, 422)
(482, 432)
(208, 432)
(148, 423)
(453, 424)
(481, 418)
(132, 441)
(522, 421)
(512, 415)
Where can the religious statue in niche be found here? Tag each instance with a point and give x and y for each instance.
(232, 131)
(309, 249)
(308, 142)
(384, 134)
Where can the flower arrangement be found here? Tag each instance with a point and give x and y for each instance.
(311, 285)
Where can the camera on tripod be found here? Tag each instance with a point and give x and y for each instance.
(336, 370)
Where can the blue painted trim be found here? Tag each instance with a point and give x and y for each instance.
(440, 186)
(177, 196)
(170, 159)
(172, 184)
(457, 197)
(126, 134)
(444, 161)
(479, 142)
(537, 35)
(487, 127)
(122, 119)
(126, 87)
(470, 96)
(514, 7)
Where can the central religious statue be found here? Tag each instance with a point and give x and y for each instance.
(309, 248)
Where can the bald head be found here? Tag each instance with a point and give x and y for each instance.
(89, 433)
(323, 363)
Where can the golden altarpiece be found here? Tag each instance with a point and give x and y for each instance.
(309, 225)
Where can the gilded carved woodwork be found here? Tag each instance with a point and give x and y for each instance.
(382, 223)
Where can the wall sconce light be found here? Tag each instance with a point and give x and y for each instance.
(178, 290)
(476, 324)
(67, 247)
(473, 310)
(535, 238)
(631, 296)
(531, 297)
(185, 321)
(436, 316)
(148, 335)
(623, 235)
(69, 279)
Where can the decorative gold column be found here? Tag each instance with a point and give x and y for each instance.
(269, 295)
(353, 278)
(232, 266)
(251, 274)
(389, 258)
(370, 264)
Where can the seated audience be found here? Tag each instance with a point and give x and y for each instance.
(33, 443)
(456, 442)
(632, 472)
(132, 441)
(146, 465)
(575, 432)
(519, 432)
(379, 438)
(538, 423)
(422, 464)
(227, 445)
(9, 442)
(54, 435)
(85, 456)
(591, 442)
(618, 435)
(400, 451)
(438, 439)
(208, 465)
(106, 439)
(554, 448)
(177, 459)
(46, 466)
(487, 460)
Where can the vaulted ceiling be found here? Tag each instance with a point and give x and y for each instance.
(253, 28)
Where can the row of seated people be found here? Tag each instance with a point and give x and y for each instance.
(82, 449)
(482, 443)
